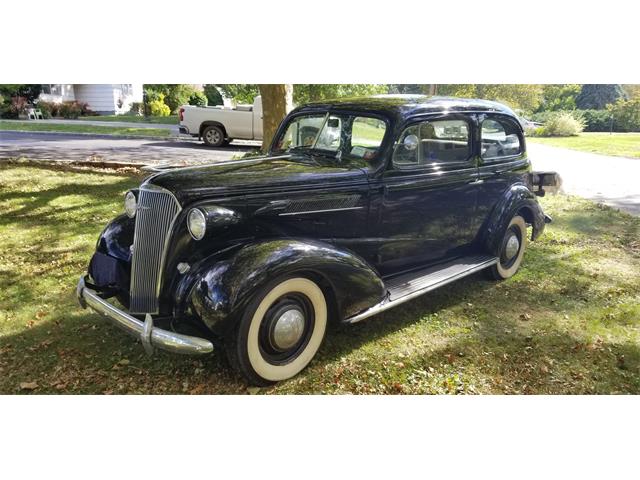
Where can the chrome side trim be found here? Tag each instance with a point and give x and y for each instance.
(320, 211)
(144, 331)
(387, 304)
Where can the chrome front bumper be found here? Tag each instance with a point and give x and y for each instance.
(150, 336)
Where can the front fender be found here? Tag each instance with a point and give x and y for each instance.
(219, 289)
(117, 237)
(517, 199)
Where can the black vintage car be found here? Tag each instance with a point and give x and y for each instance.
(359, 206)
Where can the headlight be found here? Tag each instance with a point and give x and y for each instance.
(196, 223)
(130, 204)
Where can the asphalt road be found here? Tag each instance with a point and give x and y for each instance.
(607, 179)
(67, 147)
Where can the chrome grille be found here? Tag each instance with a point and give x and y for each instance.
(156, 212)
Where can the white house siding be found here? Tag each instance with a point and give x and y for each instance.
(108, 98)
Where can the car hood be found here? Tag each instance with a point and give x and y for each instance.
(259, 175)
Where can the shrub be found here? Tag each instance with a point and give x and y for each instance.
(562, 124)
(158, 108)
(626, 114)
(198, 99)
(597, 120)
(15, 107)
(70, 109)
(49, 109)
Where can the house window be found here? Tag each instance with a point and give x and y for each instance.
(126, 88)
(52, 89)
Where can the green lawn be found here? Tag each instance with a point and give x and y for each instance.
(64, 127)
(170, 120)
(619, 144)
(568, 322)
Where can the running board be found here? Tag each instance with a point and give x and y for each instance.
(408, 286)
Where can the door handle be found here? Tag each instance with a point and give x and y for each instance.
(477, 181)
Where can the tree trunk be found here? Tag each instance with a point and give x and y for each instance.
(277, 100)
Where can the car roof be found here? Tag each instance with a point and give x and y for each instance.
(401, 106)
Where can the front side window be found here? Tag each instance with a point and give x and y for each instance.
(499, 139)
(433, 143)
(342, 137)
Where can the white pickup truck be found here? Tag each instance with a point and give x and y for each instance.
(217, 126)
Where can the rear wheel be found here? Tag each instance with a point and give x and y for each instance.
(213, 136)
(511, 250)
(280, 331)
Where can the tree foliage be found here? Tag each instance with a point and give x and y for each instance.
(175, 94)
(632, 90)
(30, 91)
(213, 95)
(406, 88)
(626, 114)
(240, 92)
(559, 97)
(303, 93)
(525, 97)
(598, 96)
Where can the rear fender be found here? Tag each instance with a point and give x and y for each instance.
(516, 200)
(219, 289)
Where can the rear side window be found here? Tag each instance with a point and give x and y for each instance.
(500, 139)
(433, 143)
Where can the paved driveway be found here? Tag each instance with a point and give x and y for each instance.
(614, 181)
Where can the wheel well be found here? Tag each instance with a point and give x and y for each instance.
(527, 214)
(204, 125)
(327, 290)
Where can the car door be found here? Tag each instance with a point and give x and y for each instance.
(428, 194)
(502, 161)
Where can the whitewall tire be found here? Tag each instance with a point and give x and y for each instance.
(280, 331)
(512, 250)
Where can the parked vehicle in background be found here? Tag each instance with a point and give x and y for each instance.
(218, 125)
(359, 206)
(528, 125)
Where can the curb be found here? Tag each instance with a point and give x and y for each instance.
(75, 163)
(98, 135)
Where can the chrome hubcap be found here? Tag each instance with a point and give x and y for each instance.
(512, 247)
(288, 329)
(213, 136)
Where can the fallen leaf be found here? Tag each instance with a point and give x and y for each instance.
(124, 361)
(253, 390)
(525, 316)
(28, 385)
(198, 389)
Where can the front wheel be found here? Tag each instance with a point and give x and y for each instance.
(280, 331)
(511, 250)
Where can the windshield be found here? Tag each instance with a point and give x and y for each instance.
(342, 137)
